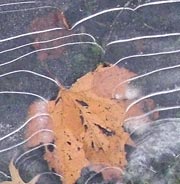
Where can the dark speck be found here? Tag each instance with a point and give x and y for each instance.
(85, 127)
(105, 131)
(84, 104)
(92, 144)
(50, 148)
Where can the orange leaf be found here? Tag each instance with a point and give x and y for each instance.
(87, 124)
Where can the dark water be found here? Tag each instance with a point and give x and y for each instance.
(141, 35)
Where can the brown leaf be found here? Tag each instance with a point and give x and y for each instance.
(88, 124)
(52, 19)
(38, 123)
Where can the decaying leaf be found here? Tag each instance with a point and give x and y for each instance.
(15, 177)
(53, 19)
(38, 123)
(87, 123)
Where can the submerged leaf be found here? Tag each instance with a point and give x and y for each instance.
(87, 123)
(15, 177)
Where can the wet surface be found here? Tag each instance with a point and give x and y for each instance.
(143, 36)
